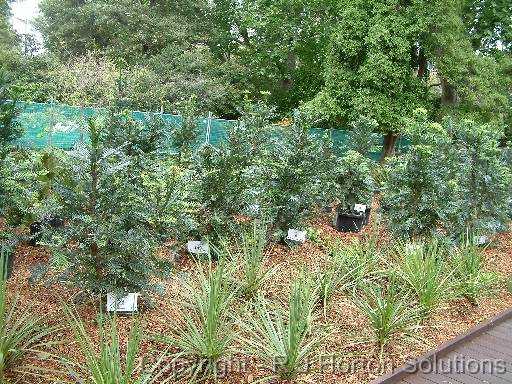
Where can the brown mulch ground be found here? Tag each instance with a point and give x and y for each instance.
(345, 322)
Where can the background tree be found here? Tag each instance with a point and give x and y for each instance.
(8, 39)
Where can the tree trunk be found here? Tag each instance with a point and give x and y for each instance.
(449, 93)
(388, 149)
(422, 64)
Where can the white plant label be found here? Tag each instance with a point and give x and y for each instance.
(126, 303)
(295, 235)
(198, 247)
(360, 208)
(481, 240)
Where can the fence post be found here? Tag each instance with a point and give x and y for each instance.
(208, 128)
(81, 124)
(51, 123)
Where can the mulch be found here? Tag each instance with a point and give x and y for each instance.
(344, 321)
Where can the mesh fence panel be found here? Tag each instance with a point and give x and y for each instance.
(62, 126)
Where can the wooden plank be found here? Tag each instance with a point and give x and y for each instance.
(467, 374)
(417, 379)
(494, 344)
(402, 372)
(507, 325)
(499, 332)
(498, 343)
(475, 348)
(484, 355)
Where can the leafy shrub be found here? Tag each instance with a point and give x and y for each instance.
(13, 169)
(204, 332)
(354, 182)
(109, 240)
(388, 312)
(481, 192)
(417, 189)
(424, 269)
(472, 281)
(284, 340)
(167, 192)
(10, 129)
(297, 176)
(185, 134)
(453, 178)
(139, 140)
(229, 182)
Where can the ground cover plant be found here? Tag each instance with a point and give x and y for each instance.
(252, 259)
(105, 359)
(285, 338)
(425, 269)
(388, 311)
(472, 280)
(203, 329)
(21, 331)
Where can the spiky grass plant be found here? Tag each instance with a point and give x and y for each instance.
(102, 360)
(202, 325)
(348, 266)
(472, 281)
(342, 271)
(20, 333)
(357, 261)
(285, 339)
(252, 260)
(388, 311)
(423, 268)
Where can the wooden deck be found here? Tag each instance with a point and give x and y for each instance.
(481, 355)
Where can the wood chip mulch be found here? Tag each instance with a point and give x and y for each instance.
(344, 321)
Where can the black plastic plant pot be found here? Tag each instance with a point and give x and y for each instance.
(36, 228)
(367, 213)
(347, 222)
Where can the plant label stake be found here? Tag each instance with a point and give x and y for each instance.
(297, 236)
(125, 304)
(361, 208)
(198, 247)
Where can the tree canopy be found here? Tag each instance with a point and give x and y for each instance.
(337, 59)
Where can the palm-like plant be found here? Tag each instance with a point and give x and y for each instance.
(284, 339)
(424, 270)
(204, 330)
(19, 333)
(388, 311)
(472, 281)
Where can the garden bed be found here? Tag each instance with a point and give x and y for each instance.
(345, 321)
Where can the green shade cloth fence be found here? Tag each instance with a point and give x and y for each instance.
(61, 126)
